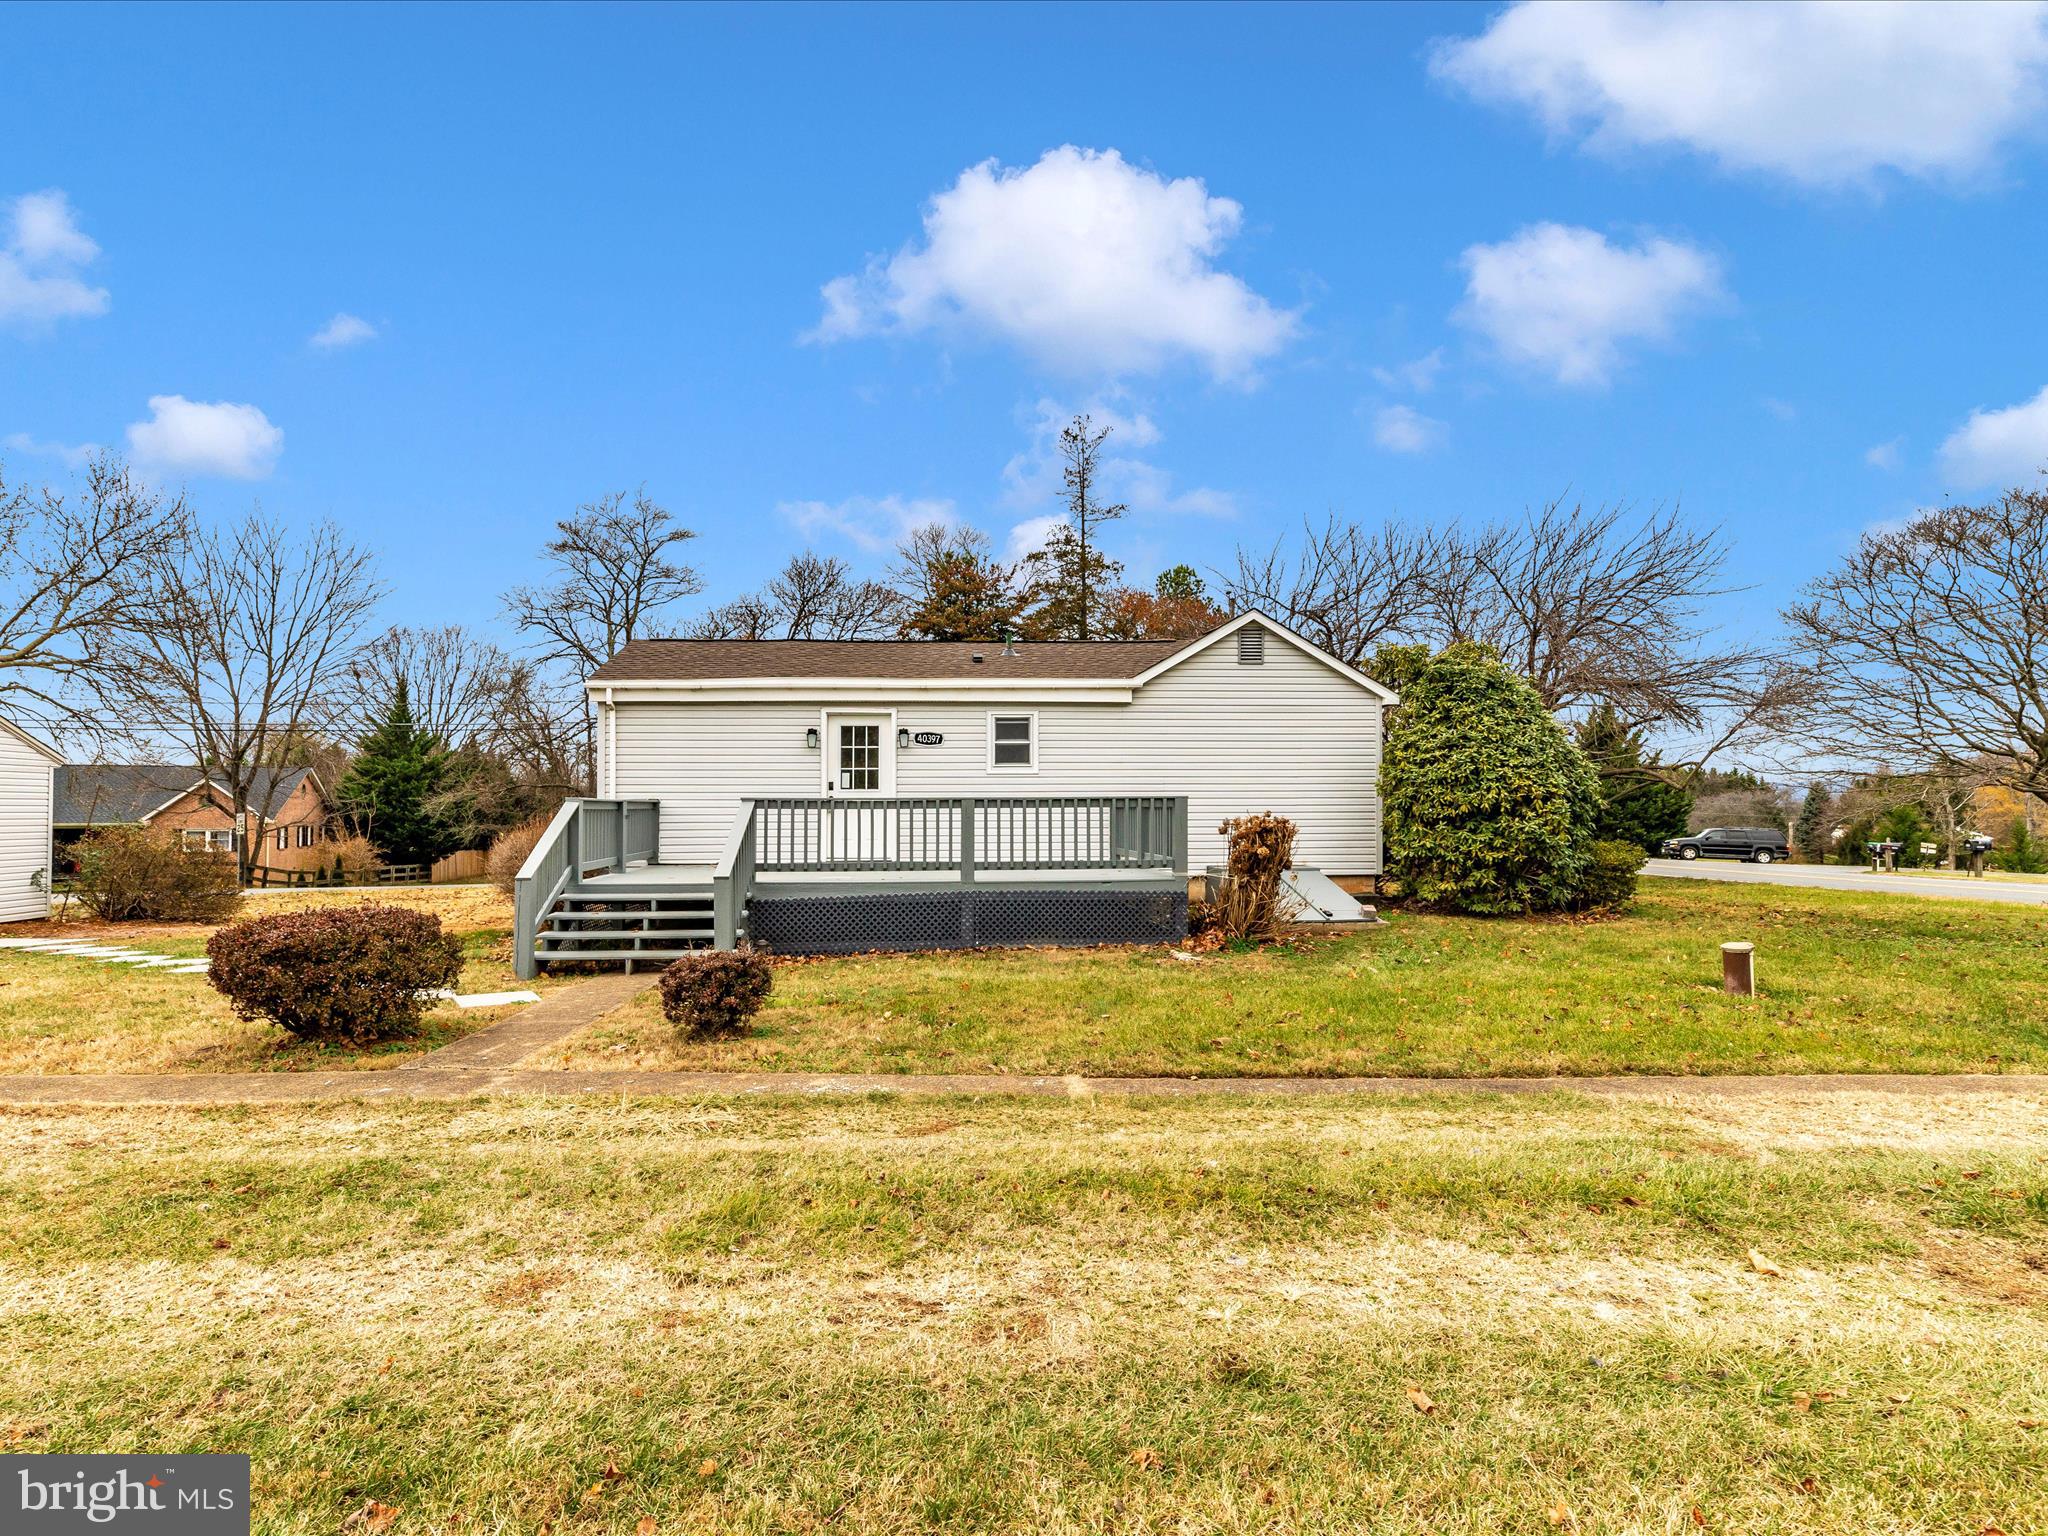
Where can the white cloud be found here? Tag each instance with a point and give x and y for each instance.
(873, 523)
(344, 330)
(1823, 94)
(1884, 456)
(1563, 299)
(1402, 429)
(72, 454)
(1086, 262)
(39, 279)
(1417, 376)
(2008, 447)
(1784, 410)
(206, 438)
(1030, 535)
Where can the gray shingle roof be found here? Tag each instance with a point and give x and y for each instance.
(710, 660)
(110, 794)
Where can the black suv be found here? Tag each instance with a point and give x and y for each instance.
(1758, 844)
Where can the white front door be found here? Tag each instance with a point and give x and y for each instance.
(860, 764)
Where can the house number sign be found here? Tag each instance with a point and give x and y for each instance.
(929, 738)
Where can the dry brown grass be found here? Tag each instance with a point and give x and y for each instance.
(887, 1317)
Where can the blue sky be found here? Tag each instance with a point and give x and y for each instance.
(1440, 263)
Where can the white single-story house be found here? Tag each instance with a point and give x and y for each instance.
(27, 772)
(889, 774)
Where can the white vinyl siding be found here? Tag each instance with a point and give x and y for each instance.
(1290, 736)
(25, 782)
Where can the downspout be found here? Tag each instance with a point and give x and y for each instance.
(609, 787)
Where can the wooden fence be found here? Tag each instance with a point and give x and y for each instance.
(466, 865)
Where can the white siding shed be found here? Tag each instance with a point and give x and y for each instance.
(27, 769)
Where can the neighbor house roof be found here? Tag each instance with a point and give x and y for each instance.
(112, 794)
(966, 660)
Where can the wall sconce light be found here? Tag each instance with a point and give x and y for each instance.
(903, 736)
(811, 739)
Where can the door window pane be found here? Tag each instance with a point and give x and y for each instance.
(860, 758)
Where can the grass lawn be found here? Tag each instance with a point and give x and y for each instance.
(61, 1014)
(1771, 1314)
(1848, 983)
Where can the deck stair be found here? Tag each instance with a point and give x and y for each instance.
(626, 925)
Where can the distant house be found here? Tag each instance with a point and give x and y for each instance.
(287, 810)
(26, 766)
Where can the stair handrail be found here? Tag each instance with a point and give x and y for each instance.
(557, 863)
(732, 879)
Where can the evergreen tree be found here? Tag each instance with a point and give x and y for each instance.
(1070, 578)
(2023, 853)
(1490, 807)
(390, 789)
(953, 588)
(1810, 832)
(1637, 803)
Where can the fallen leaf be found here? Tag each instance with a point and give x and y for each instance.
(645, 1527)
(1808, 1485)
(2028, 1423)
(1698, 1516)
(1764, 1266)
(1146, 1458)
(611, 1470)
(1899, 1397)
(707, 1467)
(385, 1368)
(375, 1517)
(1422, 1401)
(1559, 1514)
(1801, 1402)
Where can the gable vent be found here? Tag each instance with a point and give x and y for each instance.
(1251, 646)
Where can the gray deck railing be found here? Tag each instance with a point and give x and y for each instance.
(585, 836)
(926, 834)
(967, 833)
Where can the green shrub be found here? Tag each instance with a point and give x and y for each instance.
(715, 991)
(346, 974)
(141, 874)
(1610, 882)
(1490, 808)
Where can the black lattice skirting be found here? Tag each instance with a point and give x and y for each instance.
(966, 919)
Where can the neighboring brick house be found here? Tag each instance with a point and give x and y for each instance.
(287, 810)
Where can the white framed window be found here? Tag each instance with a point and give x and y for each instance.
(203, 839)
(1013, 742)
(284, 835)
(306, 834)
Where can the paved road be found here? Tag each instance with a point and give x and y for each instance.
(1840, 877)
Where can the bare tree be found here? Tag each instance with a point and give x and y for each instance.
(251, 632)
(1931, 640)
(1592, 606)
(74, 575)
(456, 681)
(616, 576)
(810, 598)
(1350, 589)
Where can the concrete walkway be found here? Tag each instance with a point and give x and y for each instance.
(1843, 877)
(470, 1082)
